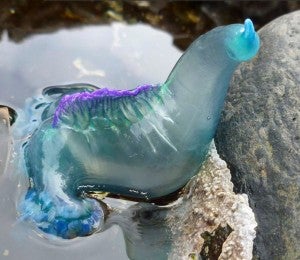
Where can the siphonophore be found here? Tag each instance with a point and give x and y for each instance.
(143, 143)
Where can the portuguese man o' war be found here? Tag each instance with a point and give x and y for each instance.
(143, 143)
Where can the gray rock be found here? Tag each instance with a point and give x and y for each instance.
(259, 134)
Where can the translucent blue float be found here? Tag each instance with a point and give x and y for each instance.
(143, 143)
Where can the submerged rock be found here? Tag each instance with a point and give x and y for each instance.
(211, 221)
(259, 137)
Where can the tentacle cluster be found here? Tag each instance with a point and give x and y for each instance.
(59, 217)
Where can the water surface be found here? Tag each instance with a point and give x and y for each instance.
(117, 56)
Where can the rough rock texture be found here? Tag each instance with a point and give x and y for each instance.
(210, 209)
(259, 137)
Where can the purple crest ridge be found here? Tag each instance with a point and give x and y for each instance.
(68, 101)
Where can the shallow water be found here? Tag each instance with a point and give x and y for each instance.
(117, 56)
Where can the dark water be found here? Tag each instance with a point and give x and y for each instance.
(117, 56)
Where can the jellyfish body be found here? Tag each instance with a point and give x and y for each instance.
(141, 143)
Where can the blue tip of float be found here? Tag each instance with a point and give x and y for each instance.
(249, 30)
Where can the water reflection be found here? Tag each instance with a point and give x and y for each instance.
(118, 56)
(145, 229)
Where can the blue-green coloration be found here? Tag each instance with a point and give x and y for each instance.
(144, 143)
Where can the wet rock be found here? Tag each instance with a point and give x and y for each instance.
(259, 137)
(5, 141)
(211, 221)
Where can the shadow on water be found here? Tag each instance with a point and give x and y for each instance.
(114, 56)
